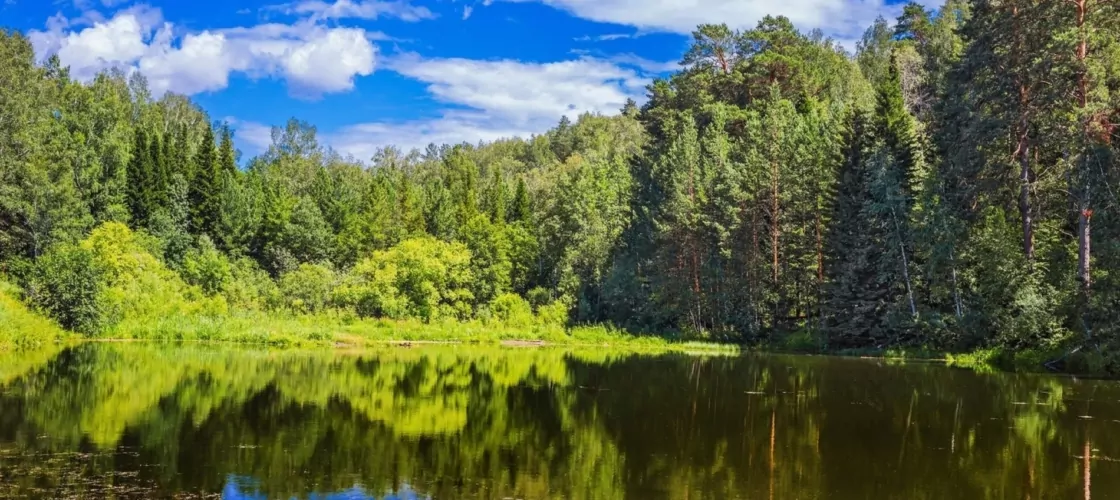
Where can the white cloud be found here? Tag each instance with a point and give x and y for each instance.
(489, 100)
(841, 18)
(251, 137)
(467, 12)
(312, 58)
(644, 64)
(357, 9)
(606, 38)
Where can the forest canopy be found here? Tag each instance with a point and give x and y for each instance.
(951, 184)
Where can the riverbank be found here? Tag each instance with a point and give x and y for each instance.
(345, 331)
(25, 329)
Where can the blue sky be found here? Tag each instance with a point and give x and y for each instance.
(370, 73)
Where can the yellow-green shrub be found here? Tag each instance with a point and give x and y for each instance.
(423, 278)
(139, 285)
(308, 288)
(512, 310)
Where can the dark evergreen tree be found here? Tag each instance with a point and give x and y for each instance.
(522, 209)
(203, 193)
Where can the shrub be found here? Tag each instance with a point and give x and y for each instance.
(138, 283)
(554, 314)
(207, 268)
(250, 287)
(423, 278)
(308, 288)
(371, 291)
(512, 310)
(68, 284)
(539, 297)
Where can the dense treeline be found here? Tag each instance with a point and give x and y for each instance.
(949, 185)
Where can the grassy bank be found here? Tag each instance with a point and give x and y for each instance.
(22, 328)
(341, 330)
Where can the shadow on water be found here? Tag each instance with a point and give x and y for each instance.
(146, 420)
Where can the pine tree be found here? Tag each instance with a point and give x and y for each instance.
(900, 180)
(522, 209)
(227, 157)
(896, 128)
(140, 200)
(204, 186)
(160, 178)
(854, 293)
(499, 198)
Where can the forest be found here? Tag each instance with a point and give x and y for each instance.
(951, 185)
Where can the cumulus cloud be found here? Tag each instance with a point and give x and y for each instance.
(312, 58)
(839, 18)
(490, 100)
(357, 9)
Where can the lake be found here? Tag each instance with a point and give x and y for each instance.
(159, 421)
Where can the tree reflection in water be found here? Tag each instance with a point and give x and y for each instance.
(144, 420)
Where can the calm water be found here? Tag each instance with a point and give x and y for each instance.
(147, 421)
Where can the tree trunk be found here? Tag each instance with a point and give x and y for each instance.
(956, 286)
(775, 241)
(1023, 149)
(775, 224)
(905, 265)
(820, 272)
(1085, 215)
(1084, 241)
(1025, 209)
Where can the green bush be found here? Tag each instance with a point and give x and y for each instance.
(207, 268)
(139, 285)
(308, 288)
(371, 291)
(421, 278)
(539, 297)
(22, 328)
(554, 314)
(512, 310)
(250, 287)
(67, 283)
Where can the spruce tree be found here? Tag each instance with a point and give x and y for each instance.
(139, 180)
(204, 186)
(896, 128)
(160, 177)
(227, 156)
(854, 294)
(522, 209)
(499, 198)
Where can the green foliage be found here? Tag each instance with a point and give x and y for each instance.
(307, 289)
(421, 278)
(207, 268)
(23, 329)
(947, 186)
(68, 284)
(491, 265)
(512, 310)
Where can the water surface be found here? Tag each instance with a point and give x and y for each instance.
(152, 421)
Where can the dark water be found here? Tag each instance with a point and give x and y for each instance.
(148, 421)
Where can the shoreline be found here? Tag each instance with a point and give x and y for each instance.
(29, 331)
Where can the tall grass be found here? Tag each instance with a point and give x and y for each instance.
(345, 330)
